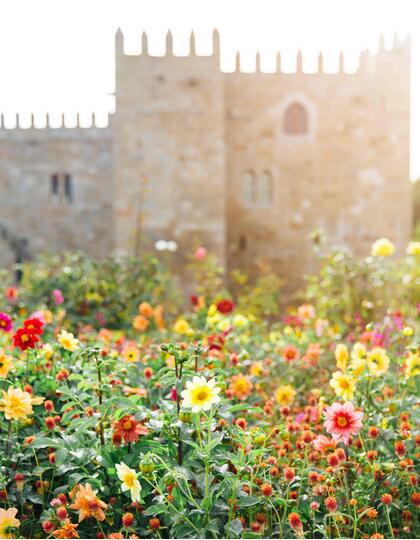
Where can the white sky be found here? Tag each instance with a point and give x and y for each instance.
(58, 56)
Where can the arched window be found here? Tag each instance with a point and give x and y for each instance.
(295, 120)
(249, 187)
(266, 188)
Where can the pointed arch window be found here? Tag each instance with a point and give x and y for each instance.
(295, 120)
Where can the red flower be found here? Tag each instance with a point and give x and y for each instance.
(129, 429)
(295, 521)
(267, 490)
(386, 498)
(225, 306)
(127, 519)
(34, 326)
(331, 504)
(25, 339)
(289, 474)
(154, 523)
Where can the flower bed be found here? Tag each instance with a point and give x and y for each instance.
(215, 424)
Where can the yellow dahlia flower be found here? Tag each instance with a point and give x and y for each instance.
(68, 341)
(285, 394)
(377, 361)
(17, 404)
(343, 385)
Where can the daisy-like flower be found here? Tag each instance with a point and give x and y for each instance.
(285, 394)
(382, 248)
(200, 394)
(343, 385)
(8, 523)
(413, 248)
(5, 322)
(182, 327)
(88, 504)
(358, 351)
(324, 444)
(68, 341)
(240, 386)
(129, 481)
(342, 420)
(17, 404)
(341, 356)
(129, 429)
(412, 364)
(131, 353)
(377, 361)
(6, 365)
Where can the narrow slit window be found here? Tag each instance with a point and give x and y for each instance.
(242, 242)
(61, 188)
(249, 187)
(68, 188)
(266, 186)
(54, 185)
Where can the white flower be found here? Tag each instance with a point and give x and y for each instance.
(200, 395)
(129, 480)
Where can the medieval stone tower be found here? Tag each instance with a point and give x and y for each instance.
(247, 164)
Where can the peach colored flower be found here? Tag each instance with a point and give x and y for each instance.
(88, 504)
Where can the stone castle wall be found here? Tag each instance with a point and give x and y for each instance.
(347, 175)
(176, 160)
(28, 159)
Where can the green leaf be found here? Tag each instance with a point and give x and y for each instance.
(234, 528)
(247, 501)
(45, 442)
(156, 509)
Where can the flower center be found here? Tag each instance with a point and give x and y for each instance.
(127, 425)
(202, 395)
(342, 421)
(129, 479)
(24, 338)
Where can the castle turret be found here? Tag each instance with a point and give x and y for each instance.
(169, 150)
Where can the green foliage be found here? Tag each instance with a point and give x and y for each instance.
(348, 288)
(95, 291)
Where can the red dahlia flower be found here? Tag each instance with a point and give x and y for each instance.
(25, 339)
(225, 306)
(129, 429)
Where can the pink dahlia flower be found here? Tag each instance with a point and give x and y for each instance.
(342, 420)
(5, 322)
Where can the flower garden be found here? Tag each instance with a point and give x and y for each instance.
(125, 414)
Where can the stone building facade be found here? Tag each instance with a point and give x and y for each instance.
(247, 164)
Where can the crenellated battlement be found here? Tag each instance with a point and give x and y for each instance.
(50, 122)
(367, 59)
(368, 63)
